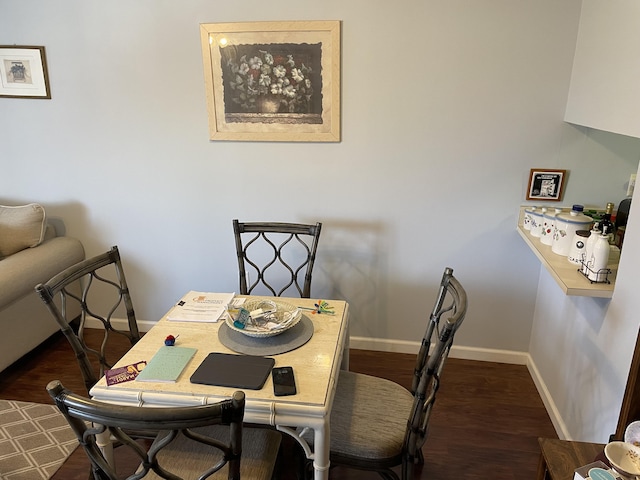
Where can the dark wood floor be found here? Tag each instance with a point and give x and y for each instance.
(485, 424)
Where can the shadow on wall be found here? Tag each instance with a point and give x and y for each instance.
(351, 266)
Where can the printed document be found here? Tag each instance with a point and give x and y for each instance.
(201, 307)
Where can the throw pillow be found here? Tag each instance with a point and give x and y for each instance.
(21, 227)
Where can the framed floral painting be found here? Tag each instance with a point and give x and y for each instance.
(272, 81)
(23, 72)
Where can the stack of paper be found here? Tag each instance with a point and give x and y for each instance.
(200, 307)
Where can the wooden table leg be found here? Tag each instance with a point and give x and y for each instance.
(542, 468)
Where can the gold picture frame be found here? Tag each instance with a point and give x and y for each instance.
(23, 72)
(272, 81)
(546, 185)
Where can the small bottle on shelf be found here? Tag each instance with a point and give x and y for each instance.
(606, 225)
(599, 259)
(621, 221)
(588, 248)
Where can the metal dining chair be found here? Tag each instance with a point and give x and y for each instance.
(377, 424)
(204, 441)
(97, 288)
(103, 291)
(274, 252)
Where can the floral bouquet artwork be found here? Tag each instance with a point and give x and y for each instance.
(271, 79)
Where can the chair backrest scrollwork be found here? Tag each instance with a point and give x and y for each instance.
(183, 433)
(103, 292)
(276, 252)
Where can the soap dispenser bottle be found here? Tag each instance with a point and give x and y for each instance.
(588, 248)
(599, 258)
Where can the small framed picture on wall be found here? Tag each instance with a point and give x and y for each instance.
(547, 185)
(23, 72)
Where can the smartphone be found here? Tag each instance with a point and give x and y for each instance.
(284, 383)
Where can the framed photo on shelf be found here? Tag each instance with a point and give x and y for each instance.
(23, 72)
(272, 81)
(546, 185)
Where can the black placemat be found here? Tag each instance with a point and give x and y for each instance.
(237, 371)
(288, 340)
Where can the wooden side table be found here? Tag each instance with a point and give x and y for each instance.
(560, 458)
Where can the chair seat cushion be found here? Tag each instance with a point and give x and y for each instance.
(189, 459)
(369, 418)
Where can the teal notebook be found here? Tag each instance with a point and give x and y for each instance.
(167, 364)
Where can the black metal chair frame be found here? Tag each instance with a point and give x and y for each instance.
(444, 321)
(58, 293)
(296, 231)
(89, 418)
(429, 366)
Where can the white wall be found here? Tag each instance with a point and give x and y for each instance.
(581, 348)
(446, 106)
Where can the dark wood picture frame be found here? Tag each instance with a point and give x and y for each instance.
(546, 184)
(23, 72)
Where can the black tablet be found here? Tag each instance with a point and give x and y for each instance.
(237, 371)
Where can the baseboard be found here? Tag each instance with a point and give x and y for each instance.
(556, 419)
(143, 326)
(467, 353)
(121, 324)
(462, 352)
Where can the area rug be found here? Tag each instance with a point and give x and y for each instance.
(35, 440)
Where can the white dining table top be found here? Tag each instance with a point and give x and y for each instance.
(316, 366)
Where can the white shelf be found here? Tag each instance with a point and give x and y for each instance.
(565, 273)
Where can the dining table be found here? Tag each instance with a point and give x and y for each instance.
(316, 348)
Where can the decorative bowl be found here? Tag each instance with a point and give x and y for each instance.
(282, 319)
(624, 458)
(632, 433)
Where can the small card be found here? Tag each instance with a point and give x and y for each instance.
(124, 374)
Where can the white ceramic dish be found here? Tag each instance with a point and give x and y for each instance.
(285, 317)
(624, 458)
(632, 433)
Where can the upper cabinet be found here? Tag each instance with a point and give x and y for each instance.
(605, 82)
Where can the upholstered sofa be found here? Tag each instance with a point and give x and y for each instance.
(31, 252)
